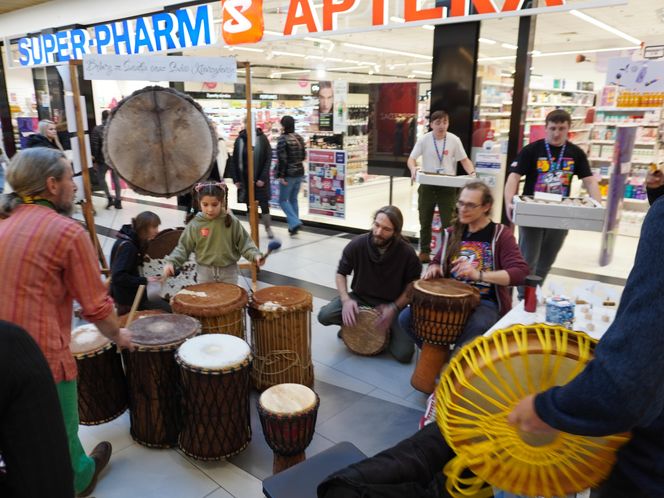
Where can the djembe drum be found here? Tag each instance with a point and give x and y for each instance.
(364, 338)
(440, 308)
(218, 306)
(288, 417)
(101, 384)
(122, 319)
(160, 142)
(152, 375)
(214, 370)
(480, 388)
(281, 336)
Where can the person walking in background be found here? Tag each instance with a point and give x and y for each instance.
(440, 151)
(549, 165)
(262, 164)
(97, 146)
(46, 136)
(291, 153)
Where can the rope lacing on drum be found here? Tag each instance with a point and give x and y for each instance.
(482, 385)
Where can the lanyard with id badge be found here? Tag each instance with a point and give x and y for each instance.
(551, 180)
(441, 155)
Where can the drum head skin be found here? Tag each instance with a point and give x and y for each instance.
(87, 339)
(281, 297)
(364, 338)
(479, 389)
(160, 142)
(214, 352)
(287, 399)
(444, 287)
(211, 299)
(163, 331)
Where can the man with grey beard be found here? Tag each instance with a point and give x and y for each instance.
(384, 266)
(46, 261)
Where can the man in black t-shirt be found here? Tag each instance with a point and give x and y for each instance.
(549, 165)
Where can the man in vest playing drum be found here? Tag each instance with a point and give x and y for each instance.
(384, 266)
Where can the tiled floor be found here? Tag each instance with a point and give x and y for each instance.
(368, 401)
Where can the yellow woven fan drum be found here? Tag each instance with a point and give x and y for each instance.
(479, 389)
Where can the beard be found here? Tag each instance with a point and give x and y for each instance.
(65, 208)
(380, 241)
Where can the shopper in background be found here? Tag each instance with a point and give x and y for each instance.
(46, 261)
(126, 258)
(97, 146)
(549, 164)
(291, 153)
(384, 266)
(622, 388)
(33, 440)
(484, 254)
(46, 136)
(262, 163)
(440, 151)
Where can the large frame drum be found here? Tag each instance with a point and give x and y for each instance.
(281, 336)
(214, 370)
(152, 374)
(440, 309)
(218, 306)
(364, 338)
(101, 383)
(480, 388)
(288, 417)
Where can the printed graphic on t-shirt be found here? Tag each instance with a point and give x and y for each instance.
(205, 232)
(554, 180)
(480, 255)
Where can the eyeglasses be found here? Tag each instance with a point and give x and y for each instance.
(200, 186)
(469, 205)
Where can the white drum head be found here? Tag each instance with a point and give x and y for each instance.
(87, 339)
(214, 351)
(285, 399)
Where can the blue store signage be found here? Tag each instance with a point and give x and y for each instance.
(183, 28)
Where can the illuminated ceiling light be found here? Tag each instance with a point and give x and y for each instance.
(425, 73)
(249, 49)
(288, 54)
(594, 50)
(429, 27)
(320, 72)
(535, 53)
(298, 71)
(509, 45)
(503, 58)
(400, 20)
(331, 46)
(347, 68)
(604, 26)
(386, 50)
(488, 41)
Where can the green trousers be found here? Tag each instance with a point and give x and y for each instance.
(428, 197)
(83, 465)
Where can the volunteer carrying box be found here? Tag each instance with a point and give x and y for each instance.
(443, 180)
(551, 211)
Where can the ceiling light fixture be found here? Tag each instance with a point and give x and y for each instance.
(386, 50)
(585, 17)
(288, 54)
(425, 73)
(249, 49)
(347, 68)
(400, 20)
(317, 40)
(488, 41)
(273, 33)
(320, 72)
(429, 27)
(594, 50)
(509, 45)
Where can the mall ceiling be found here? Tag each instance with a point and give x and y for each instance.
(11, 5)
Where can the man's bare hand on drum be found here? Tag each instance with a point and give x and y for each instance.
(525, 417)
(349, 312)
(123, 339)
(387, 314)
(433, 271)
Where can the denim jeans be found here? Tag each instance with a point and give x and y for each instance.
(481, 320)
(288, 200)
(539, 247)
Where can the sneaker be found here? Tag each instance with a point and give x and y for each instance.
(295, 230)
(425, 257)
(101, 455)
(118, 204)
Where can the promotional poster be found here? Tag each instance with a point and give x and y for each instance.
(325, 106)
(327, 185)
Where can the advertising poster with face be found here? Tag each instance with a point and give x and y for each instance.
(325, 106)
(327, 185)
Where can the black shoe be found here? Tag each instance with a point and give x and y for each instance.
(295, 230)
(339, 333)
(101, 455)
(110, 204)
(118, 204)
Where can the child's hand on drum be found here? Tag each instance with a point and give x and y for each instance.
(169, 271)
(349, 312)
(433, 271)
(123, 340)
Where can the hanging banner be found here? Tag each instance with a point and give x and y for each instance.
(160, 68)
(636, 76)
(327, 182)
